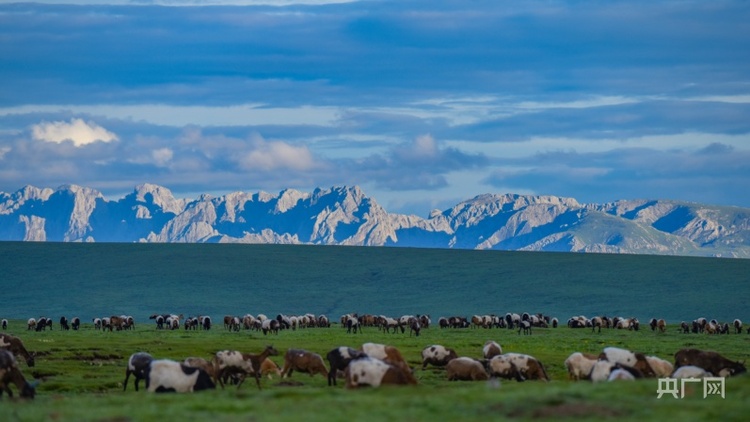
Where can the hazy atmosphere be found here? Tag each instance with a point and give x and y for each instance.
(421, 103)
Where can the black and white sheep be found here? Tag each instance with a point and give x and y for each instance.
(339, 358)
(166, 375)
(138, 365)
(437, 355)
(491, 349)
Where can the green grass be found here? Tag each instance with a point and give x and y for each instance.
(89, 280)
(82, 372)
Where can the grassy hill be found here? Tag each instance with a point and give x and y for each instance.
(101, 279)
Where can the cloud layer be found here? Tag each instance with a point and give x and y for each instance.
(422, 103)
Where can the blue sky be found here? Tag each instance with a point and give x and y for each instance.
(421, 103)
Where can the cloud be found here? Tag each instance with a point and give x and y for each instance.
(77, 131)
(276, 155)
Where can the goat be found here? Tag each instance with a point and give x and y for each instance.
(138, 365)
(303, 361)
(15, 345)
(166, 375)
(338, 359)
(11, 374)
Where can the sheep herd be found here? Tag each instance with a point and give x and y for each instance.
(378, 364)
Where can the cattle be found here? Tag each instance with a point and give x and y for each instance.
(10, 373)
(465, 369)
(710, 361)
(437, 355)
(303, 361)
(373, 372)
(628, 358)
(14, 345)
(491, 349)
(138, 365)
(338, 359)
(166, 375)
(517, 366)
(579, 365)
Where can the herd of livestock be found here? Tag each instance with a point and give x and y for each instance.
(378, 364)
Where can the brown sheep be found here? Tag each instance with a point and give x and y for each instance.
(465, 369)
(303, 361)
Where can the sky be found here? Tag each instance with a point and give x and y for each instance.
(423, 104)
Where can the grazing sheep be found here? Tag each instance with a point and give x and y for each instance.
(710, 361)
(527, 366)
(620, 374)
(628, 358)
(138, 365)
(465, 369)
(11, 374)
(31, 324)
(491, 349)
(661, 367)
(303, 361)
(166, 375)
(437, 355)
(579, 365)
(524, 326)
(15, 345)
(414, 327)
(201, 363)
(339, 358)
(75, 323)
(227, 362)
(736, 323)
(503, 367)
(387, 354)
(5, 324)
(373, 372)
(691, 371)
(603, 369)
(268, 367)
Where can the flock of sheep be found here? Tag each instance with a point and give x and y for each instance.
(377, 364)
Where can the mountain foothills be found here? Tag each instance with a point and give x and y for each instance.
(346, 216)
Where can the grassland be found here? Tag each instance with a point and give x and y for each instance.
(89, 280)
(82, 374)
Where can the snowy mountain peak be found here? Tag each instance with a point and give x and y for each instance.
(345, 215)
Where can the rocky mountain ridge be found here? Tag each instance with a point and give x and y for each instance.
(344, 215)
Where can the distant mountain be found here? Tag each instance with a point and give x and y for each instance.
(344, 215)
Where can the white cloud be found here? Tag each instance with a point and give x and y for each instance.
(162, 156)
(77, 131)
(277, 155)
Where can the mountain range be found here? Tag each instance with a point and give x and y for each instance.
(344, 215)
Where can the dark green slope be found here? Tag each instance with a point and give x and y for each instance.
(87, 280)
